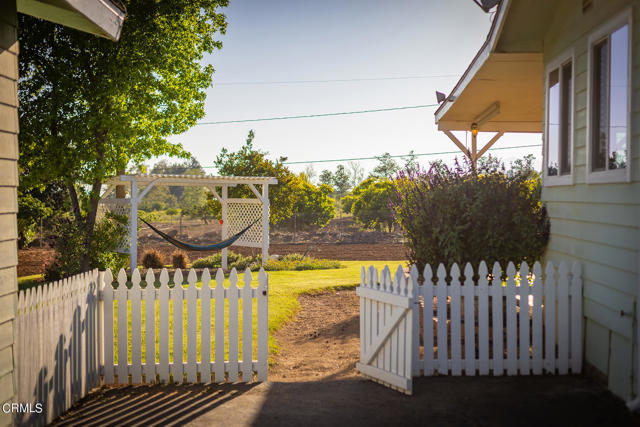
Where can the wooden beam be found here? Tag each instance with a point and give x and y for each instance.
(490, 143)
(455, 140)
(255, 191)
(109, 190)
(146, 190)
(215, 193)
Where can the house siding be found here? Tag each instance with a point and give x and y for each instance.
(599, 224)
(8, 199)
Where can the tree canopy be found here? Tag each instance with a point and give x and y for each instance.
(89, 107)
(293, 195)
(369, 202)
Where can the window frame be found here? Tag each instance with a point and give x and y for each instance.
(596, 36)
(558, 63)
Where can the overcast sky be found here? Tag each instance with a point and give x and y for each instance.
(283, 41)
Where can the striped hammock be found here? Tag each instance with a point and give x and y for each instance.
(212, 247)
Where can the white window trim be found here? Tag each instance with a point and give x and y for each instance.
(558, 62)
(615, 175)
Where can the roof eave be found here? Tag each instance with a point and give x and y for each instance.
(478, 61)
(99, 17)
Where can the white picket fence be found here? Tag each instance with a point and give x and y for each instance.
(199, 365)
(67, 334)
(530, 324)
(57, 345)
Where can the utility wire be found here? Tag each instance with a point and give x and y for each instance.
(306, 116)
(397, 156)
(284, 82)
(405, 155)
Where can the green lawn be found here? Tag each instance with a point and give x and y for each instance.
(284, 289)
(26, 282)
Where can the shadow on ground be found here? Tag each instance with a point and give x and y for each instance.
(157, 405)
(437, 401)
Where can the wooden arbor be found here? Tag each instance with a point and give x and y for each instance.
(236, 213)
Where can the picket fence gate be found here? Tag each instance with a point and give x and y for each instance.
(57, 346)
(386, 319)
(68, 335)
(529, 324)
(198, 366)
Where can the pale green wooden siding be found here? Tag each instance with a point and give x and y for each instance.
(8, 199)
(598, 224)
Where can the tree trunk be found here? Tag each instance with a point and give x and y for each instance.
(94, 200)
(75, 204)
(90, 224)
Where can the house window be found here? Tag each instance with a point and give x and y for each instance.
(559, 115)
(609, 103)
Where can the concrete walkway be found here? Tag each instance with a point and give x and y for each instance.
(437, 401)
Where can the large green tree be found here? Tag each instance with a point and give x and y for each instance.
(249, 161)
(312, 204)
(89, 107)
(293, 197)
(369, 203)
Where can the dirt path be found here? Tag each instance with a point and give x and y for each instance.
(321, 342)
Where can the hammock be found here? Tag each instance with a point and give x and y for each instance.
(189, 247)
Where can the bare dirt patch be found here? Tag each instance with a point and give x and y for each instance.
(32, 261)
(322, 341)
(341, 239)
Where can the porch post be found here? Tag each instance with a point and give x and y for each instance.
(225, 223)
(133, 226)
(265, 222)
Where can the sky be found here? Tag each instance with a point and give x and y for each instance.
(269, 45)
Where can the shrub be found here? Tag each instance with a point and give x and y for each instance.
(152, 258)
(179, 259)
(234, 260)
(70, 249)
(212, 261)
(460, 215)
(298, 262)
(291, 262)
(292, 257)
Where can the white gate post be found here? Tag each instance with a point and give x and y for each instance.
(265, 223)
(225, 223)
(133, 227)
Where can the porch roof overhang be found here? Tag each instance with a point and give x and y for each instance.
(502, 89)
(103, 18)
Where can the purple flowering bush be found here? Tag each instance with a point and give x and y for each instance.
(460, 215)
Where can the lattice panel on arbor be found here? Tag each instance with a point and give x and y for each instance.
(240, 215)
(121, 208)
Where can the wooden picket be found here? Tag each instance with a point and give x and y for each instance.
(523, 321)
(58, 331)
(171, 300)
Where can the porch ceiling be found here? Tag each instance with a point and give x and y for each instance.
(515, 81)
(507, 71)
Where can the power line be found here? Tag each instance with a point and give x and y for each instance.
(405, 155)
(396, 156)
(307, 116)
(284, 82)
